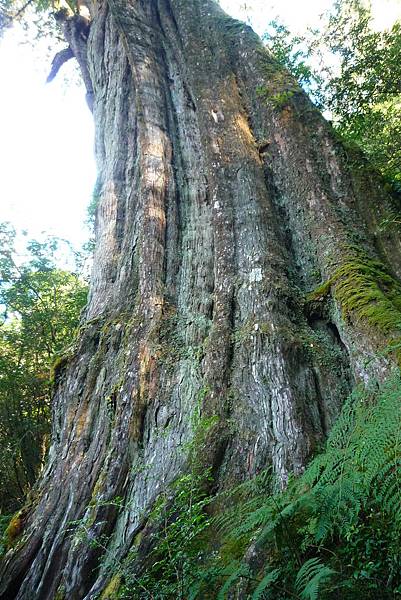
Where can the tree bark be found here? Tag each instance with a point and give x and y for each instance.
(224, 199)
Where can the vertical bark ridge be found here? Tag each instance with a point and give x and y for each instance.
(308, 171)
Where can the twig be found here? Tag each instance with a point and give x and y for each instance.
(21, 10)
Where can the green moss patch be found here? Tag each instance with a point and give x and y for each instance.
(365, 289)
(14, 528)
(112, 589)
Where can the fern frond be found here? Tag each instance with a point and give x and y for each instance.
(354, 482)
(269, 578)
(195, 590)
(246, 498)
(310, 577)
(241, 571)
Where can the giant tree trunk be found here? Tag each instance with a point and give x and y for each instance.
(224, 198)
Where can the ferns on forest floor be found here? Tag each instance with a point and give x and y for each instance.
(342, 516)
(333, 533)
(335, 530)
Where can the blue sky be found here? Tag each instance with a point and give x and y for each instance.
(46, 131)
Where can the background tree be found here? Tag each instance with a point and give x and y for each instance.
(365, 97)
(41, 306)
(352, 72)
(240, 280)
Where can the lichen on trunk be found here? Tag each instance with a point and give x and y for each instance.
(224, 201)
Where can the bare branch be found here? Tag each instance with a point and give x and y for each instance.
(58, 61)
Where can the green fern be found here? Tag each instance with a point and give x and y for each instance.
(268, 579)
(310, 578)
(357, 476)
(248, 500)
(241, 571)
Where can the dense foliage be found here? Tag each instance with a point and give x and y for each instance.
(36, 20)
(40, 311)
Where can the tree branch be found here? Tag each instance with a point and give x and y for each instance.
(58, 61)
(21, 10)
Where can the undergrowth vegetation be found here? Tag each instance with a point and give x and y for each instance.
(178, 546)
(333, 533)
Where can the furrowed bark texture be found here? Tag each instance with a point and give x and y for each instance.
(223, 199)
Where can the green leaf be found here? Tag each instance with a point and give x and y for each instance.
(269, 578)
(310, 577)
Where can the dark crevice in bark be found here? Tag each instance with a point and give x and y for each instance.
(172, 241)
(320, 403)
(166, 4)
(14, 583)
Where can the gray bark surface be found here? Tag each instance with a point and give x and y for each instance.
(218, 212)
